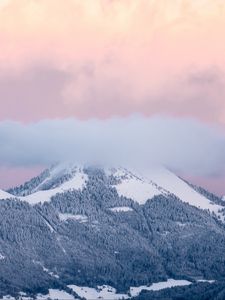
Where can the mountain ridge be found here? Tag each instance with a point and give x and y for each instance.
(137, 185)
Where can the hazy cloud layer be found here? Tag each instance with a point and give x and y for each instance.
(183, 145)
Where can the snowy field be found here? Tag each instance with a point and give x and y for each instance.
(105, 292)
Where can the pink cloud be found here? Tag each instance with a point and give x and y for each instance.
(119, 57)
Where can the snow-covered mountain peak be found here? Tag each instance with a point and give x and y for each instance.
(57, 175)
(131, 184)
(138, 185)
(76, 182)
(55, 180)
(143, 185)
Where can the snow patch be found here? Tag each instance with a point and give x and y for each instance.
(181, 224)
(204, 280)
(2, 257)
(23, 296)
(121, 209)
(80, 218)
(49, 272)
(104, 292)
(45, 269)
(55, 294)
(135, 291)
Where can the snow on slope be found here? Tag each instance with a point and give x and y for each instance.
(134, 186)
(174, 185)
(121, 209)
(102, 292)
(55, 172)
(141, 186)
(76, 183)
(137, 185)
(5, 195)
(55, 294)
(135, 291)
(109, 293)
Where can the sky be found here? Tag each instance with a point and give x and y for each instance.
(85, 60)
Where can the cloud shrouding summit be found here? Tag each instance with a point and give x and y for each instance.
(104, 58)
(183, 145)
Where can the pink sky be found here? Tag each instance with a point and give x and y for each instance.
(101, 58)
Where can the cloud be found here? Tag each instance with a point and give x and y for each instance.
(184, 145)
(33, 94)
(115, 57)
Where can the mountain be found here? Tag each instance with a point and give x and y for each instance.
(138, 186)
(85, 232)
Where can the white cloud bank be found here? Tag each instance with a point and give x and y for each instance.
(181, 144)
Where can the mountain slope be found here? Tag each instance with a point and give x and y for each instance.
(136, 185)
(88, 234)
(57, 179)
(141, 186)
(5, 195)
